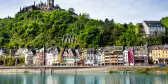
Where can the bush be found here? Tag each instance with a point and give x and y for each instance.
(10, 61)
(21, 64)
(21, 60)
(144, 70)
(26, 71)
(112, 71)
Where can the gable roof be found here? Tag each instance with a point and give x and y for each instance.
(154, 24)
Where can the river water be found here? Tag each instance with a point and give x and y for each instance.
(83, 78)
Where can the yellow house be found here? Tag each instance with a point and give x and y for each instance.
(84, 54)
(160, 55)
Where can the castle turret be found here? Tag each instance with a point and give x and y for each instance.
(50, 4)
(20, 9)
(34, 3)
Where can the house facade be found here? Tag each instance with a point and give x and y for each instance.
(2, 52)
(140, 55)
(69, 57)
(20, 52)
(99, 59)
(136, 55)
(160, 54)
(39, 58)
(90, 58)
(113, 55)
(78, 56)
(128, 55)
(49, 59)
(153, 28)
(52, 55)
(125, 54)
(28, 57)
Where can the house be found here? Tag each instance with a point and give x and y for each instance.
(125, 54)
(69, 57)
(160, 54)
(153, 28)
(20, 52)
(90, 57)
(99, 60)
(56, 56)
(39, 58)
(49, 58)
(52, 55)
(84, 54)
(78, 56)
(128, 56)
(28, 56)
(140, 55)
(113, 55)
(2, 52)
(82, 57)
(136, 55)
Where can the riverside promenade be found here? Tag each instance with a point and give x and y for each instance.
(59, 69)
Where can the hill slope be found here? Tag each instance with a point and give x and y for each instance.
(35, 28)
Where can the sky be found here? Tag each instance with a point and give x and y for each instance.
(122, 11)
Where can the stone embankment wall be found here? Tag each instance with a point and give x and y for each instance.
(4, 70)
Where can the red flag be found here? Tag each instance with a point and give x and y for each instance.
(130, 55)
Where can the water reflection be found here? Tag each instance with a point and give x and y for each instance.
(83, 78)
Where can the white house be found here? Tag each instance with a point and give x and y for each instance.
(90, 58)
(2, 52)
(52, 55)
(100, 56)
(21, 52)
(49, 59)
(28, 56)
(153, 28)
(125, 53)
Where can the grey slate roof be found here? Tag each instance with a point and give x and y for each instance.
(154, 24)
(91, 50)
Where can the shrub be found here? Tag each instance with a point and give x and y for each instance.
(112, 71)
(144, 70)
(26, 71)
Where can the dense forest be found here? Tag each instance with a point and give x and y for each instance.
(35, 28)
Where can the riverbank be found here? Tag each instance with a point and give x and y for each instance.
(63, 69)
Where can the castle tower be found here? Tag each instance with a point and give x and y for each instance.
(34, 3)
(50, 4)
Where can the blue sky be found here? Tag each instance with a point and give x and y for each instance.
(120, 10)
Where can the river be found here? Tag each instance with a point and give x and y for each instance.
(83, 78)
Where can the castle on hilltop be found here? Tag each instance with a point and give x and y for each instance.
(42, 6)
